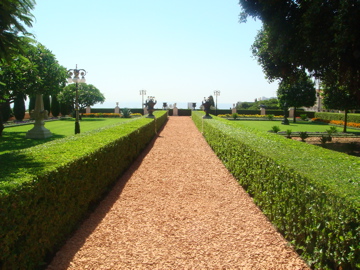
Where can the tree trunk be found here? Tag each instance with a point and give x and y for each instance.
(294, 116)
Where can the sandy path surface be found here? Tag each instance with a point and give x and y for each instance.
(177, 207)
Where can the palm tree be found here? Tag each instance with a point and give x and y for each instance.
(14, 17)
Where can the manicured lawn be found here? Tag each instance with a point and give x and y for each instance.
(294, 127)
(14, 137)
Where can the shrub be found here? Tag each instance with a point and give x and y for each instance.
(288, 133)
(54, 187)
(270, 117)
(303, 117)
(275, 129)
(235, 115)
(311, 194)
(303, 135)
(126, 113)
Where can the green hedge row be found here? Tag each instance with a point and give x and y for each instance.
(351, 117)
(181, 112)
(310, 194)
(112, 110)
(45, 191)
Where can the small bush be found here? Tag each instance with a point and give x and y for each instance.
(235, 115)
(275, 129)
(303, 117)
(270, 117)
(126, 113)
(288, 133)
(303, 135)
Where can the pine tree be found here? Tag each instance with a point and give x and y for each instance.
(46, 99)
(19, 107)
(55, 106)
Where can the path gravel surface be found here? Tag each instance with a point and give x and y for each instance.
(177, 207)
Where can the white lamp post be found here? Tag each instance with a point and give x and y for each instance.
(74, 78)
(216, 94)
(142, 93)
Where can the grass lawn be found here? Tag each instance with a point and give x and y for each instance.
(294, 127)
(14, 137)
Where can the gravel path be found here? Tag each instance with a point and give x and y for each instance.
(177, 207)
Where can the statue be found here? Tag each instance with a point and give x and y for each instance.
(206, 104)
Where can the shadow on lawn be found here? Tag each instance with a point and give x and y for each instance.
(21, 162)
(11, 141)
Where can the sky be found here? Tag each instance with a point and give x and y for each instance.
(178, 51)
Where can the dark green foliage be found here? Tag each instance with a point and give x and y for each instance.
(55, 106)
(19, 107)
(43, 200)
(310, 194)
(5, 111)
(351, 117)
(65, 109)
(46, 100)
(182, 112)
(15, 18)
(275, 129)
(32, 100)
(303, 135)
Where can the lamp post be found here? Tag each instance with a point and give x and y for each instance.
(142, 93)
(216, 94)
(73, 76)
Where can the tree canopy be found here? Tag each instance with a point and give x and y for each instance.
(89, 95)
(15, 15)
(321, 37)
(36, 72)
(300, 93)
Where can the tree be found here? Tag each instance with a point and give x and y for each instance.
(55, 106)
(319, 36)
(32, 103)
(38, 73)
(14, 16)
(297, 94)
(89, 95)
(19, 107)
(243, 105)
(5, 112)
(47, 104)
(339, 99)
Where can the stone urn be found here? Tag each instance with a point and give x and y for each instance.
(150, 103)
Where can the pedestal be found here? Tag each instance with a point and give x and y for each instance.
(39, 131)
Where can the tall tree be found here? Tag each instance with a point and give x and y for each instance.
(297, 94)
(339, 99)
(89, 95)
(5, 112)
(19, 106)
(38, 73)
(55, 106)
(47, 103)
(322, 37)
(15, 15)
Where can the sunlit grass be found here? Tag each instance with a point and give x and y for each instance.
(14, 138)
(294, 127)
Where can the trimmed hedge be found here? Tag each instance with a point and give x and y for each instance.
(351, 117)
(310, 194)
(112, 110)
(45, 191)
(181, 112)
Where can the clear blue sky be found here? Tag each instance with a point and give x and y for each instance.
(178, 51)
